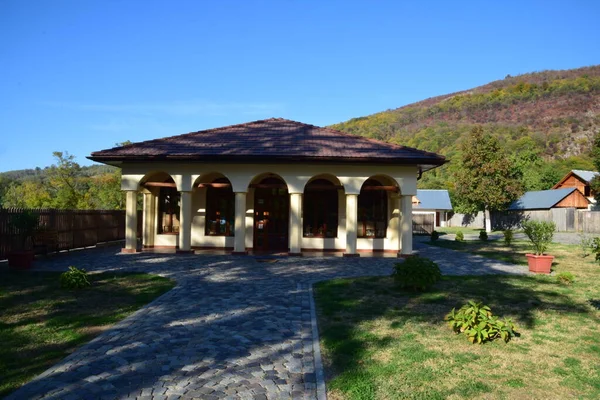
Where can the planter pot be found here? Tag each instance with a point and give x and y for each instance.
(20, 259)
(539, 264)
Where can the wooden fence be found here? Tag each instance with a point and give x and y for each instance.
(423, 224)
(74, 228)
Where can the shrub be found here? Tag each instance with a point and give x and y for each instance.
(460, 237)
(596, 248)
(508, 236)
(565, 278)
(483, 235)
(585, 244)
(74, 278)
(435, 235)
(478, 323)
(416, 273)
(540, 234)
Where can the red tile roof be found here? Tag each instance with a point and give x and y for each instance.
(269, 140)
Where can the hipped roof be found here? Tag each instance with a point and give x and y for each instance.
(270, 140)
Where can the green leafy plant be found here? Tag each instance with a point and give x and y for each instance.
(540, 234)
(483, 236)
(74, 278)
(508, 236)
(478, 323)
(595, 246)
(585, 244)
(435, 235)
(565, 278)
(460, 237)
(416, 273)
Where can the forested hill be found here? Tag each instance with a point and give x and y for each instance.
(549, 117)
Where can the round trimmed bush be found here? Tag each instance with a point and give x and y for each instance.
(416, 273)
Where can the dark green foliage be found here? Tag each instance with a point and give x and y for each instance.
(595, 246)
(74, 278)
(435, 235)
(485, 179)
(416, 273)
(565, 278)
(483, 236)
(540, 234)
(478, 323)
(508, 236)
(459, 237)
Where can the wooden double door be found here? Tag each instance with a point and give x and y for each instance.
(271, 216)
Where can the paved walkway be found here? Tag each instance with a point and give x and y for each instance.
(233, 327)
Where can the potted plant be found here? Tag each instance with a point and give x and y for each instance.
(25, 223)
(540, 234)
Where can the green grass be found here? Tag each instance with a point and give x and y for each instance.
(383, 343)
(40, 323)
(456, 229)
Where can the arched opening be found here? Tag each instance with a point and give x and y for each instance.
(271, 214)
(220, 208)
(320, 209)
(373, 209)
(168, 197)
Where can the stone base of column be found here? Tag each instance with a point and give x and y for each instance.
(400, 255)
(239, 253)
(351, 255)
(184, 252)
(295, 254)
(129, 251)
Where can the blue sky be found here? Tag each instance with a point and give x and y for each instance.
(80, 76)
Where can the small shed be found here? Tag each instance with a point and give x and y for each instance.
(547, 199)
(435, 202)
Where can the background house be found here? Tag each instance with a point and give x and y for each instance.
(568, 197)
(580, 180)
(435, 203)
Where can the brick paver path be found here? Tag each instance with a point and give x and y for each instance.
(233, 327)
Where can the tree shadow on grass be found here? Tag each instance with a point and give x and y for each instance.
(346, 307)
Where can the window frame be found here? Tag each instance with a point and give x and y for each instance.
(320, 207)
(368, 203)
(213, 196)
(169, 203)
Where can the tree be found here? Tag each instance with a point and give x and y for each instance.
(66, 184)
(485, 179)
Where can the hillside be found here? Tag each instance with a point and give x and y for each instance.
(552, 114)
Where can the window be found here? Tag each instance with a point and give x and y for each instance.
(320, 209)
(168, 210)
(220, 209)
(372, 210)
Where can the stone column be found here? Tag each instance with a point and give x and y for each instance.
(406, 226)
(130, 222)
(295, 224)
(185, 222)
(149, 220)
(239, 244)
(351, 225)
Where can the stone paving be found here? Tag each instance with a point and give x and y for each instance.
(233, 327)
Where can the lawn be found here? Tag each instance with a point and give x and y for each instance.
(456, 229)
(383, 343)
(40, 323)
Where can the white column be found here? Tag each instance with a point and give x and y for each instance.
(130, 222)
(295, 224)
(185, 222)
(351, 225)
(397, 220)
(239, 244)
(406, 226)
(148, 223)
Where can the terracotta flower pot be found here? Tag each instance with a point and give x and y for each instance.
(20, 259)
(539, 264)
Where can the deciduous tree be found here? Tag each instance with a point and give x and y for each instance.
(485, 179)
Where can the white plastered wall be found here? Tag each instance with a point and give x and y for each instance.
(351, 177)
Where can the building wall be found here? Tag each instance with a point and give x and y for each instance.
(351, 177)
(575, 199)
